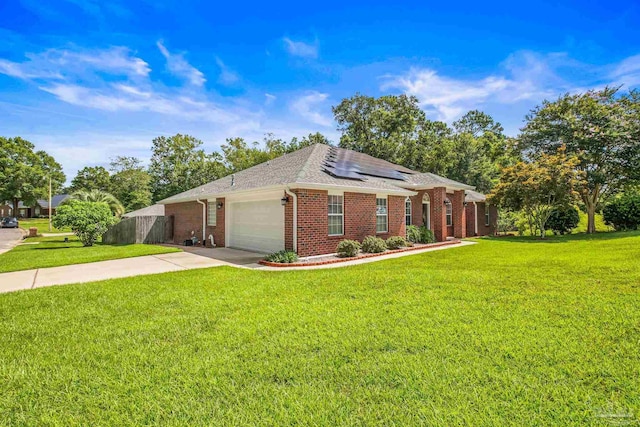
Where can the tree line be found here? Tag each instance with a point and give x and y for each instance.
(593, 136)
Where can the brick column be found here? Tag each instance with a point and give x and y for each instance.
(438, 213)
(470, 211)
(459, 217)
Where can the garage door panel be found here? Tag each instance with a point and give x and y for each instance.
(257, 226)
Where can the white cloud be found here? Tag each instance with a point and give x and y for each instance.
(627, 72)
(300, 48)
(306, 106)
(523, 76)
(64, 63)
(121, 97)
(227, 76)
(179, 66)
(269, 98)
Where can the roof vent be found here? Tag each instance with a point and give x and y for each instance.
(233, 180)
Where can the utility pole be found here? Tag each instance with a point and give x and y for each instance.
(49, 203)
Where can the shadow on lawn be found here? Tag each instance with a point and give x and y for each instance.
(609, 235)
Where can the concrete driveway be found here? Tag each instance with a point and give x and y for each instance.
(9, 237)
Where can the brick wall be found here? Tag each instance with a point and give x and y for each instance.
(438, 213)
(471, 219)
(487, 230)
(188, 218)
(288, 224)
(359, 220)
(360, 216)
(459, 217)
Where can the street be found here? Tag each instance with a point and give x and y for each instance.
(9, 237)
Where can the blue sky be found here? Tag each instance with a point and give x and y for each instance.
(88, 80)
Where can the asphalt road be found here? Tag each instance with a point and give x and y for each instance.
(9, 237)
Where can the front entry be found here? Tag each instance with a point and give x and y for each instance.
(426, 211)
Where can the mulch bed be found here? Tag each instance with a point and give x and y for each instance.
(333, 259)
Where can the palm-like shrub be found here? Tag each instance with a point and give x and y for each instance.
(98, 196)
(87, 220)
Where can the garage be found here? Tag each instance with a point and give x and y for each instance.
(256, 225)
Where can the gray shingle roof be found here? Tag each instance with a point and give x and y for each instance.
(428, 178)
(153, 210)
(44, 203)
(306, 167)
(474, 196)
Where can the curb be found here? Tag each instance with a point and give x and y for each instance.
(335, 261)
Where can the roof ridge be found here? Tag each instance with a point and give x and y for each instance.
(305, 165)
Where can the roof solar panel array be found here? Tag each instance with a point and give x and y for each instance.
(352, 165)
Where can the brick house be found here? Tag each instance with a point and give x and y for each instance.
(309, 200)
(41, 207)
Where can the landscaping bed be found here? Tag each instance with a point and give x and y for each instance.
(333, 258)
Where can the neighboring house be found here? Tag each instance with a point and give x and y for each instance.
(309, 200)
(5, 210)
(153, 210)
(41, 208)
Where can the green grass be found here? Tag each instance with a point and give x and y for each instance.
(42, 224)
(600, 225)
(41, 252)
(505, 332)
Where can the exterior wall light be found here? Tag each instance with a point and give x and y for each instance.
(219, 205)
(284, 200)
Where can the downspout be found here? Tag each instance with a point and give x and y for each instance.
(204, 219)
(475, 206)
(295, 218)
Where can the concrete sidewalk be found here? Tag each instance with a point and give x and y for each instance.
(164, 263)
(127, 267)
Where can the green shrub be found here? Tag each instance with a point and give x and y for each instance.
(420, 234)
(282, 257)
(624, 212)
(348, 248)
(373, 245)
(396, 242)
(426, 235)
(413, 234)
(87, 220)
(563, 220)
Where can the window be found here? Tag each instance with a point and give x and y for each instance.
(407, 212)
(449, 212)
(487, 216)
(381, 215)
(336, 215)
(211, 214)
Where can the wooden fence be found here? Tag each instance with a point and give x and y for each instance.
(139, 229)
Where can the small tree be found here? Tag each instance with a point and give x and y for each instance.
(563, 220)
(87, 220)
(538, 187)
(624, 211)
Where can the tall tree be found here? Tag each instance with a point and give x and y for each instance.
(601, 128)
(239, 155)
(179, 164)
(25, 173)
(378, 126)
(91, 178)
(538, 187)
(130, 183)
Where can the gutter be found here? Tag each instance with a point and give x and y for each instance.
(295, 218)
(204, 219)
(475, 205)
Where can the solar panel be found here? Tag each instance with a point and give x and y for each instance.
(352, 165)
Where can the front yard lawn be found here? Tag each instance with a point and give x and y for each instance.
(41, 252)
(42, 224)
(505, 332)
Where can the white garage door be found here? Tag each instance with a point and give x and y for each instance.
(257, 226)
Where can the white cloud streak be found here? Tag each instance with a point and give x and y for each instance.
(179, 67)
(306, 106)
(300, 48)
